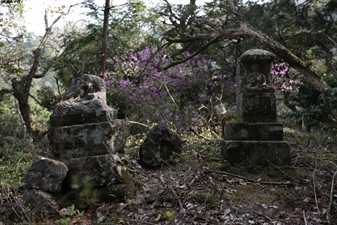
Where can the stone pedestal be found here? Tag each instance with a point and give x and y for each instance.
(257, 139)
(256, 153)
(255, 144)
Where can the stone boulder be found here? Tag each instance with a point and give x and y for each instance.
(98, 170)
(160, 145)
(46, 174)
(40, 202)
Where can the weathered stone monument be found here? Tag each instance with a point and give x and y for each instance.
(256, 139)
(84, 125)
(84, 137)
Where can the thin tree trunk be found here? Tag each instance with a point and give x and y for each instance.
(21, 88)
(104, 38)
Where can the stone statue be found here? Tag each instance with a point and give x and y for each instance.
(256, 78)
(86, 103)
(87, 93)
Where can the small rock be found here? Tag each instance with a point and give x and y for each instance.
(160, 145)
(46, 174)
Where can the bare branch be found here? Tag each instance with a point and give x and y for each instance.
(3, 92)
(202, 48)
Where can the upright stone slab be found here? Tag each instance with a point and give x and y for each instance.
(255, 97)
(257, 139)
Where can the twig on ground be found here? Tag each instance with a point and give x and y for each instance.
(138, 123)
(314, 186)
(304, 218)
(267, 217)
(328, 212)
(139, 221)
(278, 168)
(248, 179)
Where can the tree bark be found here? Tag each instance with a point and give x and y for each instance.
(104, 38)
(21, 88)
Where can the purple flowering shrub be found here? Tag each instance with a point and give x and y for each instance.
(308, 106)
(179, 96)
(282, 80)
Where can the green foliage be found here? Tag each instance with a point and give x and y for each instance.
(11, 122)
(315, 107)
(87, 197)
(16, 156)
(169, 214)
(69, 213)
(47, 97)
(83, 46)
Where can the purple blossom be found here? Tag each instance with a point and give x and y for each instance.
(148, 91)
(124, 83)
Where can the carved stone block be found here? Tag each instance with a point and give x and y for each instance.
(88, 139)
(81, 118)
(257, 107)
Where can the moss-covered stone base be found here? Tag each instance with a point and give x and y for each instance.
(256, 153)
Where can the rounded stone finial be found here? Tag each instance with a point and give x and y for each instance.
(256, 55)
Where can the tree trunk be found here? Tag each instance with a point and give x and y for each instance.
(304, 68)
(20, 94)
(21, 88)
(104, 38)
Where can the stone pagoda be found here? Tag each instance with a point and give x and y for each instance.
(256, 139)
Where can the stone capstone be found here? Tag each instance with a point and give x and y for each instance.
(160, 145)
(86, 95)
(88, 139)
(40, 202)
(46, 174)
(98, 170)
(256, 54)
(253, 131)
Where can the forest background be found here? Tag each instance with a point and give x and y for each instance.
(167, 63)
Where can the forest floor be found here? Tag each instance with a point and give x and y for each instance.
(199, 188)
